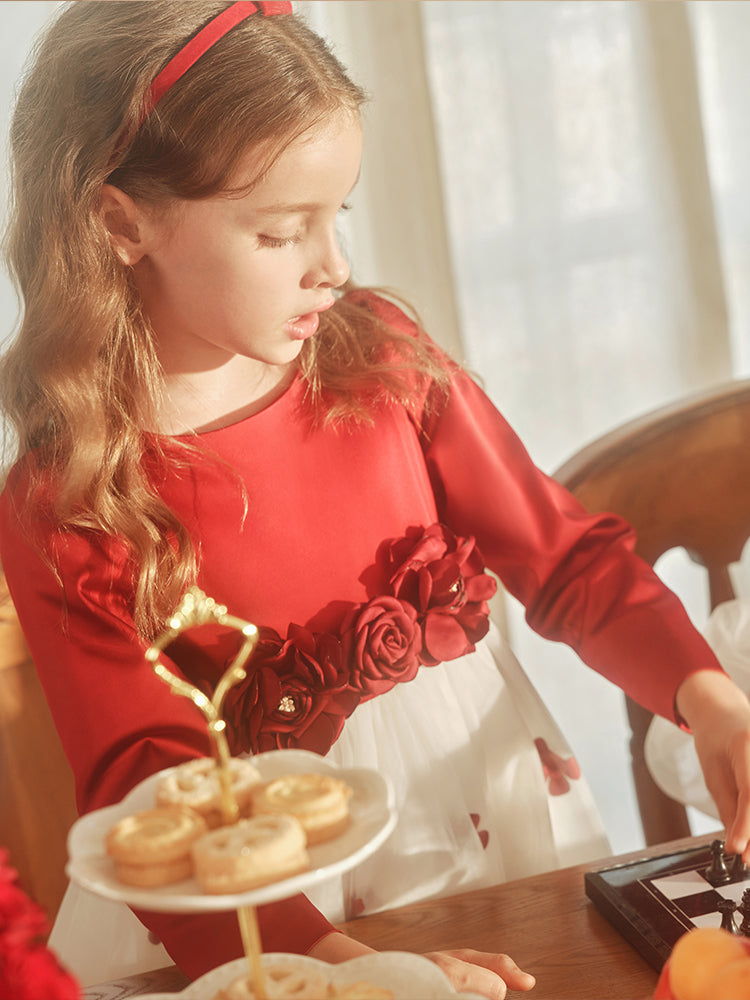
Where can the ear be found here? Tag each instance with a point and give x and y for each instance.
(124, 222)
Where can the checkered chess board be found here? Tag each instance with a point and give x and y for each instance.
(694, 897)
(653, 901)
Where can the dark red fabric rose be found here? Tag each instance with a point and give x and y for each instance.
(444, 578)
(382, 641)
(300, 690)
(28, 969)
(247, 703)
(296, 694)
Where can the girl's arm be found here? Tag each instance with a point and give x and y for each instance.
(581, 583)
(575, 573)
(469, 971)
(718, 714)
(117, 721)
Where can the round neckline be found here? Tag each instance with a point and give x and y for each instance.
(241, 421)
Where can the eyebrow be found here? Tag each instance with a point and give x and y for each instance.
(281, 209)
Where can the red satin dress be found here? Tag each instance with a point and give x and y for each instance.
(343, 543)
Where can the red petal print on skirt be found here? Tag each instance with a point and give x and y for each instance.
(482, 834)
(557, 769)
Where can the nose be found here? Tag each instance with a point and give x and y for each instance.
(329, 268)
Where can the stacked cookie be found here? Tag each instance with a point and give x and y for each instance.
(183, 835)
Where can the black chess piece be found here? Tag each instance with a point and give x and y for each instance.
(717, 873)
(727, 908)
(744, 909)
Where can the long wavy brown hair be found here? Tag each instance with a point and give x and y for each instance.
(81, 381)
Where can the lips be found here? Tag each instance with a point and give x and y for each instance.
(303, 327)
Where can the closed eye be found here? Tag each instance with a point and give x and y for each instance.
(278, 241)
(266, 240)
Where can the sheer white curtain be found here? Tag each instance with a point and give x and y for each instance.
(19, 24)
(590, 162)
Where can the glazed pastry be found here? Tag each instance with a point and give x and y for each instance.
(319, 801)
(196, 784)
(250, 853)
(153, 847)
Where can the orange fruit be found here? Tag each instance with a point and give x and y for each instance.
(698, 957)
(733, 981)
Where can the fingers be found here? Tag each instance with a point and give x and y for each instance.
(718, 713)
(490, 975)
(724, 793)
(728, 780)
(733, 803)
(738, 830)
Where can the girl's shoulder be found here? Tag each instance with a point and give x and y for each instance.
(386, 310)
(398, 334)
(28, 501)
(31, 530)
(403, 328)
(371, 351)
(18, 482)
(26, 523)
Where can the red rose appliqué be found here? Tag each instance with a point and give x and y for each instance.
(296, 695)
(382, 642)
(444, 578)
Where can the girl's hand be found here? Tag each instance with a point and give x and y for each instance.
(481, 972)
(470, 971)
(718, 714)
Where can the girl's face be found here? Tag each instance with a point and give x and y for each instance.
(247, 276)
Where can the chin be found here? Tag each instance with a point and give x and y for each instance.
(285, 355)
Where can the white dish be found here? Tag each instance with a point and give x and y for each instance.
(373, 818)
(408, 976)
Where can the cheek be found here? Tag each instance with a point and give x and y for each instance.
(268, 277)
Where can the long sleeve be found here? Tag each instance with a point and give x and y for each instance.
(118, 722)
(575, 573)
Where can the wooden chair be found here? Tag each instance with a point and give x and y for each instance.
(37, 802)
(681, 476)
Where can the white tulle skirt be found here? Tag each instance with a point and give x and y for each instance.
(486, 787)
(670, 752)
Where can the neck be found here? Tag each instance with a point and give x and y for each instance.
(209, 400)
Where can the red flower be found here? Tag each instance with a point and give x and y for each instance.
(300, 690)
(443, 577)
(28, 969)
(296, 695)
(382, 641)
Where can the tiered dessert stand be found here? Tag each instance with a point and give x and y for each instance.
(372, 810)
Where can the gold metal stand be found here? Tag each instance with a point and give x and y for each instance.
(197, 609)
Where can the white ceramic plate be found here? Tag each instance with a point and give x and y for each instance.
(373, 818)
(408, 976)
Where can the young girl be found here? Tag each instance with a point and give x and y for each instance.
(199, 396)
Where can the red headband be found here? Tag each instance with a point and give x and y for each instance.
(199, 44)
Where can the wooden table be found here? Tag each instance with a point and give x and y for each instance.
(545, 922)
